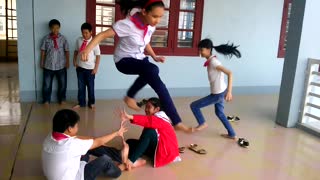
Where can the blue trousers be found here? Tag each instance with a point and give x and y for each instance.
(48, 76)
(103, 164)
(218, 101)
(85, 80)
(148, 74)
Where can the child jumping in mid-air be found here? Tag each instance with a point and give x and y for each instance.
(134, 34)
(220, 91)
(158, 139)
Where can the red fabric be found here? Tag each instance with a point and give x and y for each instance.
(55, 42)
(167, 150)
(208, 61)
(139, 24)
(83, 45)
(151, 2)
(58, 136)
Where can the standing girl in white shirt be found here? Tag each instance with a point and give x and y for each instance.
(134, 34)
(219, 89)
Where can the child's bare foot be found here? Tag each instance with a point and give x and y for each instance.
(229, 137)
(201, 127)
(131, 103)
(139, 163)
(76, 106)
(92, 107)
(122, 167)
(180, 126)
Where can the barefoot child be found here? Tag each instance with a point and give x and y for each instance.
(86, 70)
(158, 140)
(219, 89)
(63, 149)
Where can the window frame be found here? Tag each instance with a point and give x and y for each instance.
(172, 48)
(283, 31)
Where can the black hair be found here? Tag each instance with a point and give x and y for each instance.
(54, 22)
(225, 49)
(154, 101)
(63, 119)
(86, 26)
(127, 5)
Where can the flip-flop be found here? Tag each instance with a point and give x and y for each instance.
(193, 147)
(243, 142)
(233, 118)
(181, 149)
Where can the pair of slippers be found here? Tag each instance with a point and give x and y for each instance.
(233, 118)
(194, 148)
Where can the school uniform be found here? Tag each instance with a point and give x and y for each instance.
(66, 158)
(84, 72)
(218, 88)
(130, 59)
(54, 65)
(158, 140)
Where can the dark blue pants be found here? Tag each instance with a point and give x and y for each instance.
(218, 101)
(145, 145)
(85, 80)
(48, 76)
(148, 74)
(103, 164)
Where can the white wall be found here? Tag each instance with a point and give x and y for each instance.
(254, 25)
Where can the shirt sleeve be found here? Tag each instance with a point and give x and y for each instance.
(43, 45)
(122, 28)
(80, 146)
(96, 50)
(215, 62)
(65, 44)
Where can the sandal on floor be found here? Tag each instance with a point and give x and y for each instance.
(193, 147)
(181, 149)
(243, 142)
(233, 118)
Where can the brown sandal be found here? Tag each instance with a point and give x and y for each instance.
(193, 147)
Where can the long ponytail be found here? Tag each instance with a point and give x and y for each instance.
(127, 5)
(225, 49)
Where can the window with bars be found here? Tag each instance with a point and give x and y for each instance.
(284, 28)
(177, 34)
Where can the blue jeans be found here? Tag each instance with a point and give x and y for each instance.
(218, 101)
(148, 74)
(103, 164)
(85, 79)
(48, 76)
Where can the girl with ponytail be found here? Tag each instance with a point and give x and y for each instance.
(220, 91)
(134, 34)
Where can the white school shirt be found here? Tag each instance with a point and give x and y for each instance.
(216, 77)
(61, 159)
(91, 56)
(131, 41)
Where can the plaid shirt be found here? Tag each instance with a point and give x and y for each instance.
(55, 58)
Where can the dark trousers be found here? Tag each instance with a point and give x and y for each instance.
(48, 76)
(103, 164)
(145, 145)
(148, 74)
(85, 80)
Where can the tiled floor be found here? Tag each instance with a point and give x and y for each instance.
(13, 116)
(275, 153)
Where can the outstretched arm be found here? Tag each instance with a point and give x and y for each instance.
(153, 55)
(230, 79)
(95, 41)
